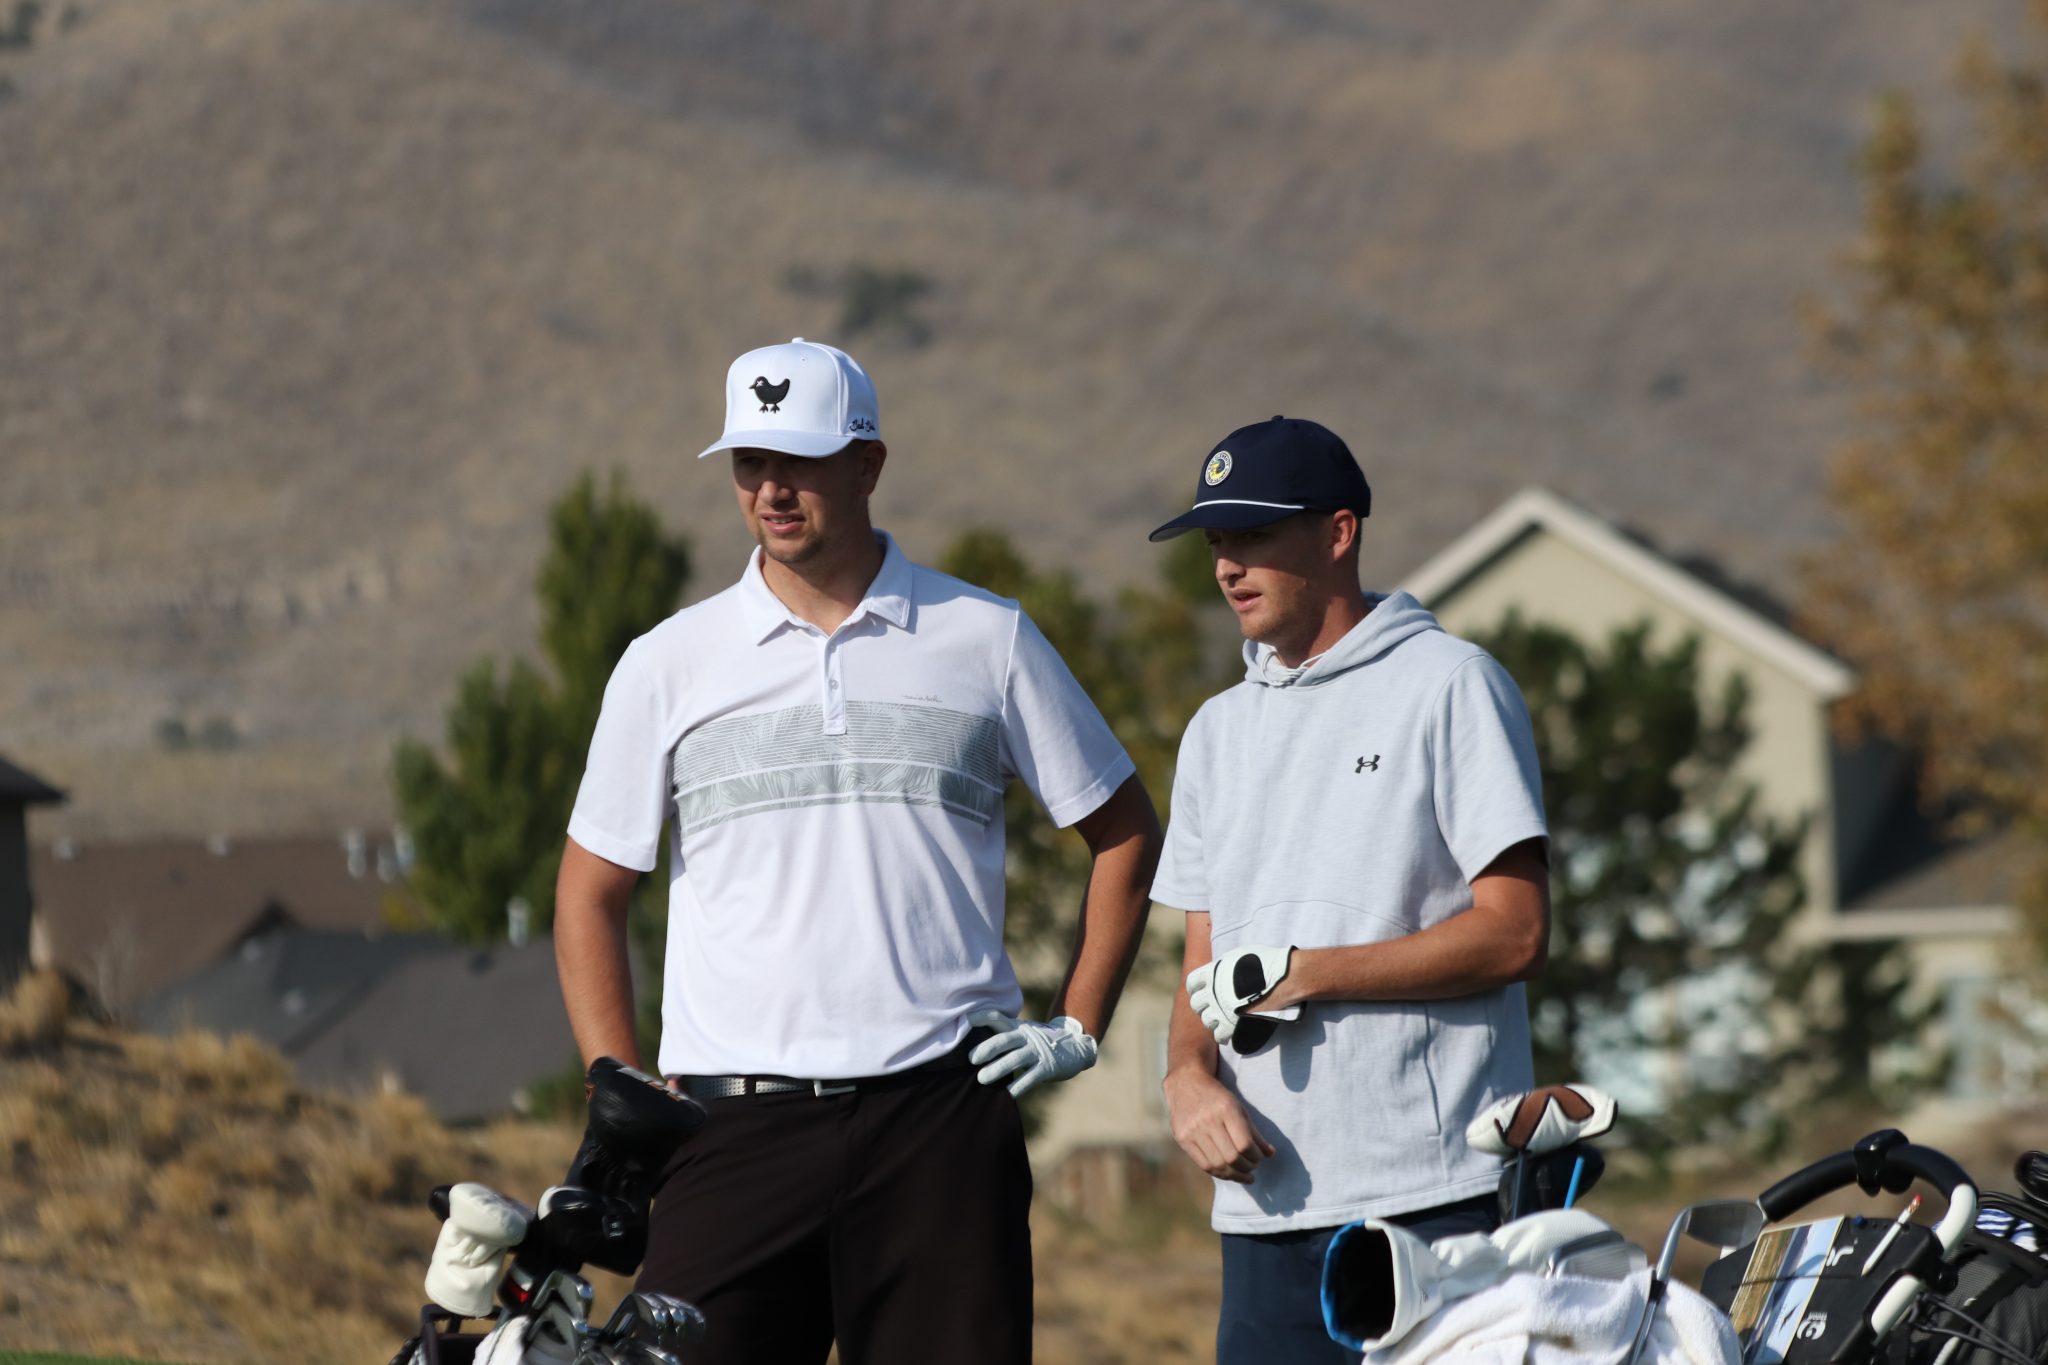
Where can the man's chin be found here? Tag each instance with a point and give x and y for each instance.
(788, 552)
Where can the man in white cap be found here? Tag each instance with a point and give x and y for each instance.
(831, 738)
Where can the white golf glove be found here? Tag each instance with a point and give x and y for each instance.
(1034, 1052)
(1220, 989)
(482, 1225)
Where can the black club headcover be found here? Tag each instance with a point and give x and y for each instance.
(636, 1123)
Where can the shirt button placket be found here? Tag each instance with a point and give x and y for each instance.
(834, 695)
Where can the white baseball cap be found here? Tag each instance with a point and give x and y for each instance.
(801, 398)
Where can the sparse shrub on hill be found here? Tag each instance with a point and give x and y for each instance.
(873, 300)
(20, 28)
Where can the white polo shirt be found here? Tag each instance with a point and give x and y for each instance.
(836, 877)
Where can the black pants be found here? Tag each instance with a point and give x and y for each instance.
(894, 1220)
(1272, 1286)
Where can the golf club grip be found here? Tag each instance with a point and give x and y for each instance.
(1837, 1172)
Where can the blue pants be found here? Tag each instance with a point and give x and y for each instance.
(1272, 1286)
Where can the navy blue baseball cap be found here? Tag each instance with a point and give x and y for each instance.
(1269, 470)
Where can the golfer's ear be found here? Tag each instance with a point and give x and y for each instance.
(872, 457)
(1344, 529)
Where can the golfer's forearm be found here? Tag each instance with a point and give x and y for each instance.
(1504, 937)
(1189, 1044)
(1123, 834)
(591, 958)
(1412, 968)
(1106, 942)
(1474, 951)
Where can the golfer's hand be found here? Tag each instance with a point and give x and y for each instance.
(1032, 1052)
(1222, 988)
(1212, 1127)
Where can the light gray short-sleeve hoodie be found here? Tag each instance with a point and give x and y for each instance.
(1352, 800)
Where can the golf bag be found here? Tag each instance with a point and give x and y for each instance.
(598, 1216)
(2001, 1278)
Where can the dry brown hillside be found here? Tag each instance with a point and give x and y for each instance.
(308, 308)
(182, 1200)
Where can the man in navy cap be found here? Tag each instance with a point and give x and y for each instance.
(1357, 837)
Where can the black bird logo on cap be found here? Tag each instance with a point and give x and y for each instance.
(771, 395)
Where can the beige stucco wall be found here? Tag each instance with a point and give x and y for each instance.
(1118, 1100)
(1549, 580)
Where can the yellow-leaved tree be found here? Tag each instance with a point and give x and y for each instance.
(1938, 589)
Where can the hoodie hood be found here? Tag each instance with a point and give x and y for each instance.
(1394, 617)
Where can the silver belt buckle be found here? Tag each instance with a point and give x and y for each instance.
(821, 1090)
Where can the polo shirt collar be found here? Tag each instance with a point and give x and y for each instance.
(889, 596)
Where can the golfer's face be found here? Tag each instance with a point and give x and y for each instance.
(1273, 575)
(794, 506)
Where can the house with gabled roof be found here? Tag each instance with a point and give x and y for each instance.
(122, 919)
(467, 1028)
(19, 789)
(1876, 866)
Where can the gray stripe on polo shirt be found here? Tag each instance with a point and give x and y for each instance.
(891, 753)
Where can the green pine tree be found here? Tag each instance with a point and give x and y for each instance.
(1674, 899)
(1147, 664)
(487, 811)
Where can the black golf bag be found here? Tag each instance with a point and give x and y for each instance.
(2001, 1278)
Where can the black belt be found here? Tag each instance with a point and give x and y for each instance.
(733, 1087)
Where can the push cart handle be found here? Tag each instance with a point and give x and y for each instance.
(1877, 1164)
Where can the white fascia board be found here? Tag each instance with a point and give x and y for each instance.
(1538, 508)
(1935, 922)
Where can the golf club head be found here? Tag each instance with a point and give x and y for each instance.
(687, 1326)
(649, 1354)
(679, 1322)
(1717, 1222)
(634, 1317)
(1725, 1222)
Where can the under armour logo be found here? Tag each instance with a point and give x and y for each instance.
(1368, 764)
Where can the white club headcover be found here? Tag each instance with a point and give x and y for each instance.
(482, 1225)
(1416, 1279)
(1526, 1243)
(1541, 1121)
(518, 1341)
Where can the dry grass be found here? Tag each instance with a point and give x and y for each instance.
(179, 1199)
(34, 1015)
